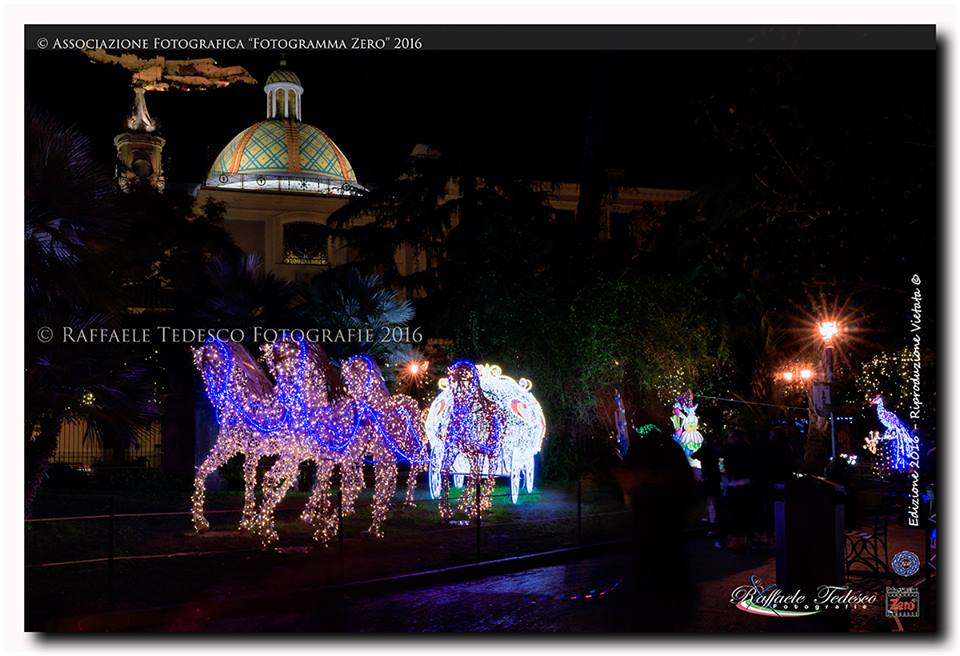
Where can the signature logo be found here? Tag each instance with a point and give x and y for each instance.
(770, 601)
(905, 563)
(902, 602)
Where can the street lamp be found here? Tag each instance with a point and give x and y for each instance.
(828, 330)
(796, 373)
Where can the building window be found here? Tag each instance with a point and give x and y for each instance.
(620, 226)
(305, 243)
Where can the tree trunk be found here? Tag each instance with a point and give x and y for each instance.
(39, 452)
(593, 174)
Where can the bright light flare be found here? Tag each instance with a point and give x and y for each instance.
(806, 374)
(415, 368)
(828, 330)
(788, 376)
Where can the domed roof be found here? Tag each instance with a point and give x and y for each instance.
(282, 147)
(283, 75)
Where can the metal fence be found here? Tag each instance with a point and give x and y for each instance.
(101, 561)
(577, 523)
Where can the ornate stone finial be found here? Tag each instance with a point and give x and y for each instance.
(139, 120)
(140, 149)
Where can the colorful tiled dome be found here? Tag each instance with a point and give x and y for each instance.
(282, 153)
(283, 147)
(283, 75)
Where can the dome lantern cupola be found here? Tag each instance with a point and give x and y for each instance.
(284, 93)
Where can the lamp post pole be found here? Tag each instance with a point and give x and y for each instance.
(828, 329)
(828, 364)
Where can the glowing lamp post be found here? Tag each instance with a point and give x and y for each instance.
(802, 375)
(828, 330)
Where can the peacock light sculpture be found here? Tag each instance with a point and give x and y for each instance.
(897, 445)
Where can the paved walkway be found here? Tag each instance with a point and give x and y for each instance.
(593, 595)
(597, 594)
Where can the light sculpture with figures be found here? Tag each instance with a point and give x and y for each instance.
(686, 426)
(481, 425)
(249, 417)
(297, 421)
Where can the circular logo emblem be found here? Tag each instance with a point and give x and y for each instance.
(906, 563)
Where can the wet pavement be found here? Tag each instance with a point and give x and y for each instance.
(684, 591)
(600, 594)
(575, 597)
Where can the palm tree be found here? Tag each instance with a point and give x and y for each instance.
(69, 219)
(91, 383)
(70, 228)
(236, 291)
(344, 299)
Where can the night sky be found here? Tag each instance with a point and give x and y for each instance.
(521, 113)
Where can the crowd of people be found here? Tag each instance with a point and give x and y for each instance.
(735, 480)
(738, 471)
(733, 473)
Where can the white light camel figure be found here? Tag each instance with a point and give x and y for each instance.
(464, 424)
(522, 435)
(901, 444)
(248, 415)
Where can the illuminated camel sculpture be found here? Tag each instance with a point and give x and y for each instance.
(312, 434)
(391, 429)
(471, 425)
(248, 414)
(368, 423)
